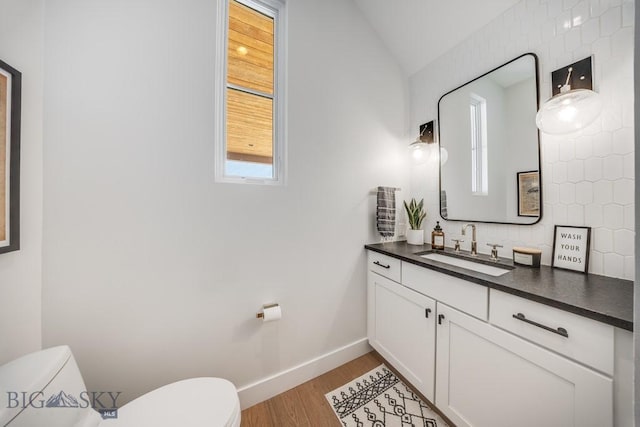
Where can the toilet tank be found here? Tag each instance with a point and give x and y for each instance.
(45, 388)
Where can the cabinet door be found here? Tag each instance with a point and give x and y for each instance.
(402, 330)
(489, 378)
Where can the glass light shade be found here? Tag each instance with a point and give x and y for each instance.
(569, 112)
(418, 150)
(444, 155)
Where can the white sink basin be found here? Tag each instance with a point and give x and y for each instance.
(469, 265)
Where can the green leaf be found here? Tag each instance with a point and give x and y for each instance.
(415, 213)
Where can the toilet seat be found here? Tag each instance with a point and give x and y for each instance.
(193, 402)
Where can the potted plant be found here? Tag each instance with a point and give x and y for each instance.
(416, 214)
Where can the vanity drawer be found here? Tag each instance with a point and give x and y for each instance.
(586, 341)
(384, 265)
(465, 296)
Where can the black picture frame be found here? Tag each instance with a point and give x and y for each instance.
(528, 188)
(571, 246)
(10, 119)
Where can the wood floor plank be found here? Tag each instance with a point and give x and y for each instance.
(316, 405)
(287, 410)
(364, 364)
(257, 416)
(306, 405)
(347, 372)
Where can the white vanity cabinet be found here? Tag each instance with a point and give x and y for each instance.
(489, 369)
(486, 377)
(577, 337)
(401, 326)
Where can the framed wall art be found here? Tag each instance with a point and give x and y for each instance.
(10, 106)
(571, 248)
(529, 193)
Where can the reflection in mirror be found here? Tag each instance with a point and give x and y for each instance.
(488, 128)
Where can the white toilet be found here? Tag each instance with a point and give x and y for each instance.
(46, 389)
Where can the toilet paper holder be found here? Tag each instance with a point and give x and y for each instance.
(264, 307)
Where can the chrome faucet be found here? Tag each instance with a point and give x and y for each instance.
(494, 251)
(474, 244)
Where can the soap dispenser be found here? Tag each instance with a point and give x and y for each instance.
(437, 237)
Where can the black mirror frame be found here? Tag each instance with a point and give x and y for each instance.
(535, 58)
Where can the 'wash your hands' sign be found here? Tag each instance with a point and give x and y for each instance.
(571, 248)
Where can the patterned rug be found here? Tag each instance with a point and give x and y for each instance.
(380, 399)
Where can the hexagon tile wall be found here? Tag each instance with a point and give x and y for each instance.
(588, 177)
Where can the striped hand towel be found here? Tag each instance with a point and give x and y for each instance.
(386, 211)
(444, 212)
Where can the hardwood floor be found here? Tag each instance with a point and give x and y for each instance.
(306, 405)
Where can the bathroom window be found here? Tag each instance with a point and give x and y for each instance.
(479, 166)
(250, 143)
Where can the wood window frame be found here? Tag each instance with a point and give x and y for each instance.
(275, 9)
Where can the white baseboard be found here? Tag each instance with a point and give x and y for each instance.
(268, 387)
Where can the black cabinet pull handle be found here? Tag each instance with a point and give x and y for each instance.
(381, 265)
(426, 312)
(560, 331)
(440, 318)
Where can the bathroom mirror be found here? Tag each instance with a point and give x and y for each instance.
(490, 149)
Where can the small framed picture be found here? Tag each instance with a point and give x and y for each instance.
(571, 248)
(529, 193)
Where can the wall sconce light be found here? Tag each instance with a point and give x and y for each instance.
(574, 105)
(419, 146)
(444, 155)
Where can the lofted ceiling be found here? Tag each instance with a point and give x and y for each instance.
(419, 31)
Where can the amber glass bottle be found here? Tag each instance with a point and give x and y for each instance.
(437, 237)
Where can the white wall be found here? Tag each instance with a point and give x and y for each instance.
(588, 178)
(153, 272)
(21, 44)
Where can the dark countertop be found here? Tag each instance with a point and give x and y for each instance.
(601, 298)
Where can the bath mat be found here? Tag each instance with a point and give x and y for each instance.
(380, 399)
